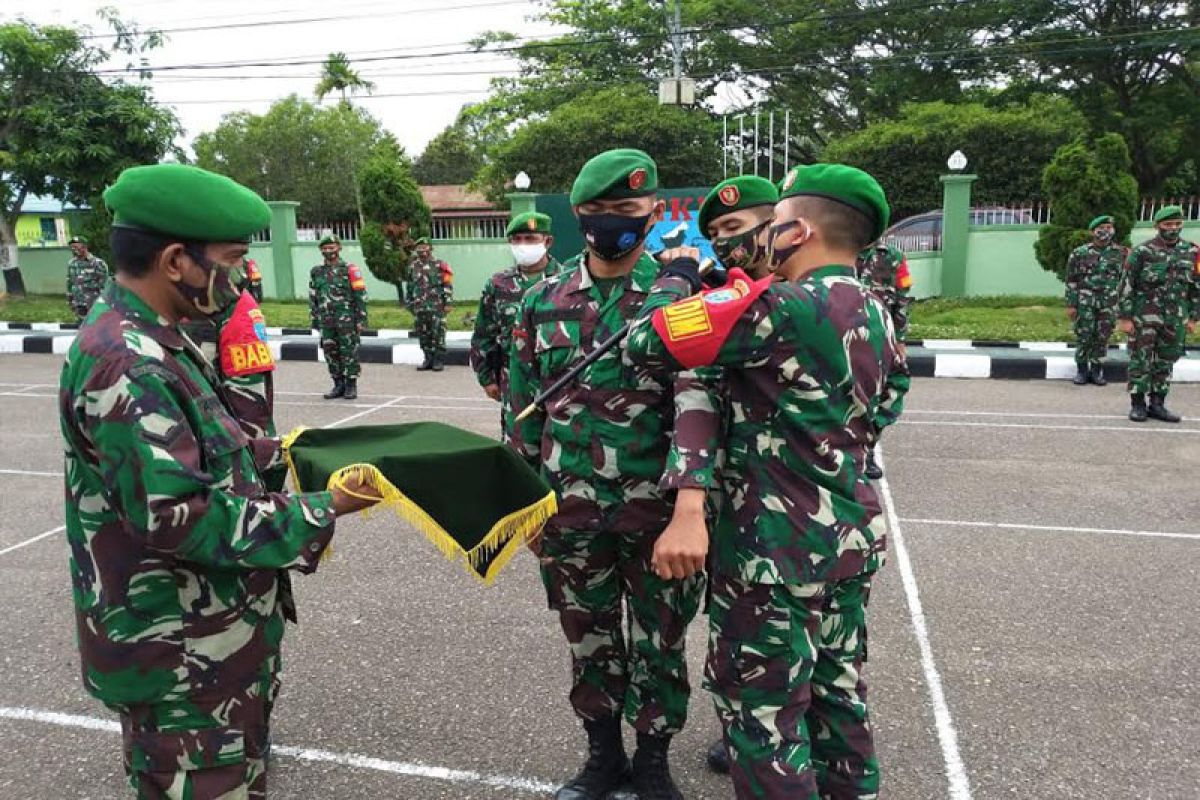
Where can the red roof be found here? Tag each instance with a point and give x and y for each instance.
(454, 198)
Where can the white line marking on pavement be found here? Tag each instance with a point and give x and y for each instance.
(370, 410)
(25, 394)
(407, 769)
(37, 538)
(1131, 428)
(956, 772)
(1015, 414)
(31, 473)
(1018, 526)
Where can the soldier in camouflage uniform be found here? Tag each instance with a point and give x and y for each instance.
(1093, 273)
(603, 443)
(175, 545)
(500, 303)
(429, 294)
(884, 270)
(337, 303)
(810, 361)
(86, 276)
(254, 281)
(1158, 305)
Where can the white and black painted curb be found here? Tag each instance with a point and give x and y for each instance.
(941, 358)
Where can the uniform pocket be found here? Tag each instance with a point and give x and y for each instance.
(556, 345)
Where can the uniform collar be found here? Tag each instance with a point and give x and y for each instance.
(641, 279)
(141, 316)
(829, 270)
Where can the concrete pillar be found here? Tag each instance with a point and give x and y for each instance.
(521, 203)
(956, 231)
(283, 236)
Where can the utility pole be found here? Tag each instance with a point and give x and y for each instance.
(678, 90)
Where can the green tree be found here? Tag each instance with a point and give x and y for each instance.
(64, 130)
(685, 143)
(451, 157)
(396, 216)
(1007, 147)
(338, 76)
(297, 151)
(1085, 179)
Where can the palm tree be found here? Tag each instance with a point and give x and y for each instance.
(338, 76)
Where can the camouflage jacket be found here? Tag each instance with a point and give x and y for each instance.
(1160, 284)
(604, 440)
(175, 546)
(499, 306)
(1093, 274)
(85, 280)
(884, 270)
(807, 367)
(427, 289)
(333, 300)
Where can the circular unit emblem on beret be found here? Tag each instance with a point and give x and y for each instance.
(637, 178)
(730, 195)
(789, 180)
(531, 224)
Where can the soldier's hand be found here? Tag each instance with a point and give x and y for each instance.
(670, 254)
(1072, 313)
(1125, 325)
(492, 390)
(356, 497)
(1191, 326)
(682, 548)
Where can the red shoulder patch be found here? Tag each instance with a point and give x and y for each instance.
(903, 276)
(694, 329)
(357, 282)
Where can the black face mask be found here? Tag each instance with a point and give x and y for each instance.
(779, 255)
(743, 250)
(1103, 237)
(611, 237)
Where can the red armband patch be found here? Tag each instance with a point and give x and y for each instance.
(252, 273)
(903, 276)
(694, 329)
(356, 278)
(243, 341)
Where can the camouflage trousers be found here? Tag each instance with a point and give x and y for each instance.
(1093, 328)
(1153, 351)
(341, 351)
(430, 327)
(785, 666)
(597, 579)
(201, 750)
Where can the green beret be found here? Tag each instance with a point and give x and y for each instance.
(423, 240)
(329, 238)
(187, 202)
(616, 175)
(843, 184)
(78, 240)
(529, 222)
(746, 191)
(1168, 212)
(1098, 221)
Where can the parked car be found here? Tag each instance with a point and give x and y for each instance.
(923, 232)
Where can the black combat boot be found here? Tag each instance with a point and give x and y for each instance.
(427, 364)
(1137, 410)
(607, 767)
(873, 470)
(1081, 375)
(1159, 411)
(339, 389)
(439, 363)
(1096, 375)
(351, 389)
(718, 757)
(651, 772)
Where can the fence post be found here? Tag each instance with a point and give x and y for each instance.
(956, 232)
(283, 236)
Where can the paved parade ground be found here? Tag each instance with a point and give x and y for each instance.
(1036, 633)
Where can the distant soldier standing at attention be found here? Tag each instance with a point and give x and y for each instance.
(86, 276)
(1093, 275)
(337, 302)
(1159, 305)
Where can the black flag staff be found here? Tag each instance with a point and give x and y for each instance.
(570, 375)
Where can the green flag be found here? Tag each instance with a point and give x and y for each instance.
(470, 495)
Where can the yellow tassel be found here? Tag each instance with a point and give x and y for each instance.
(503, 540)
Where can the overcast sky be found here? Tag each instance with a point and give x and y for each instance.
(277, 31)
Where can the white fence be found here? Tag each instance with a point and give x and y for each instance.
(448, 225)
